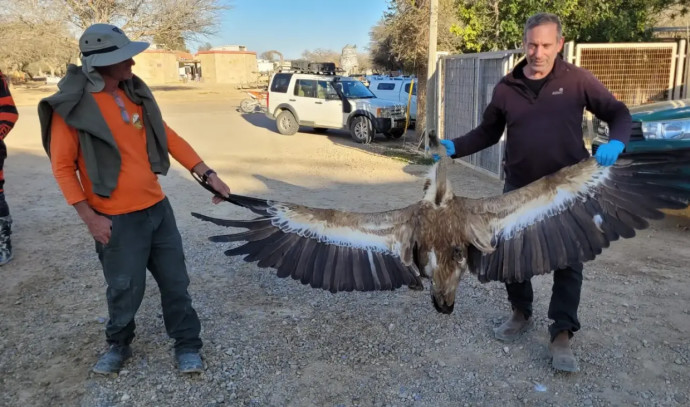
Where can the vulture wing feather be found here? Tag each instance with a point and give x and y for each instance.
(573, 214)
(326, 248)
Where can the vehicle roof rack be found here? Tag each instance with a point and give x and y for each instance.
(315, 68)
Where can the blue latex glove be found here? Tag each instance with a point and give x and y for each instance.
(607, 154)
(450, 147)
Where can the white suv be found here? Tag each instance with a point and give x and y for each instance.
(396, 88)
(331, 102)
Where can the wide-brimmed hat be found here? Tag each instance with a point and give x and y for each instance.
(105, 44)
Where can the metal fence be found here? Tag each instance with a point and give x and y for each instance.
(466, 85)
(636, 73)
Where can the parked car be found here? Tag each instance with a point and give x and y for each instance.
(331, 102)
(396, 88)
(656, 126)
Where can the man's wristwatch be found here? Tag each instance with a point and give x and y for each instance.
(207, 174)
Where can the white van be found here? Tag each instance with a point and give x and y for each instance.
(395, 88)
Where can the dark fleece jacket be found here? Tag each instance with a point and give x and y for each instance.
(544, 131)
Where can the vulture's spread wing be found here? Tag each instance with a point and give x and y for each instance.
(570, 216)
(333, 250)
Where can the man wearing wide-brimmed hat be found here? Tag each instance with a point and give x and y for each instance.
(105, 119)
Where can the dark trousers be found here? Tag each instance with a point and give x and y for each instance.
(565, 296)
(147, 239)
(4, 209)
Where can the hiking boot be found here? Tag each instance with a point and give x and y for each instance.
(513, 327)
(5, 242)
(112, 360)
(189, 362)
(562, 356)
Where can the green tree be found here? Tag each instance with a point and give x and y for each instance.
(489, 25)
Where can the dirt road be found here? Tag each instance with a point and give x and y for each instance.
(272, 342)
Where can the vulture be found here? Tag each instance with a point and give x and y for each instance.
(566, 217)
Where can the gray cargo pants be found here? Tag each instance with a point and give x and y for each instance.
(148, 238)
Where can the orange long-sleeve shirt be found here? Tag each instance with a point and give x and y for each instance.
(137, 186)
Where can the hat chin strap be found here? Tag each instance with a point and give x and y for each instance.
(95, 80)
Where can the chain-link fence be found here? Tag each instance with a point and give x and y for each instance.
(467, 85)
(636, 73)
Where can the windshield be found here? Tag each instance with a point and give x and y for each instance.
(353, 89)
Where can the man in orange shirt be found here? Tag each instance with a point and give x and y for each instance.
(8, 116)
(105, 126)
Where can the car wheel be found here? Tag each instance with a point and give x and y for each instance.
(320, 129)
(286, 123)
(394, 134)
(361, 130)
(248, 105)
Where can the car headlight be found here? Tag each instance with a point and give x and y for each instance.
(383, 112)
(666, 130)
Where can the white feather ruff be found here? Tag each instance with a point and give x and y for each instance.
(290, 222)
(549, 205)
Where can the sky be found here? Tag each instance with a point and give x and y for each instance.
(292, 26)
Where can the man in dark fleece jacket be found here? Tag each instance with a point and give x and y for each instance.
(541, 103)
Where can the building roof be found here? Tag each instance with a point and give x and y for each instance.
(226, 52)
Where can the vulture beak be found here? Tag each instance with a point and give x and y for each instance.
(442, 307)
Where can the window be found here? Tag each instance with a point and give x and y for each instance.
(281, 81)
(306, 88)
(354, 89)
(324, 89)
(385, 86)
(414, 89)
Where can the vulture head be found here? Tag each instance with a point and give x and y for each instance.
(564, 218)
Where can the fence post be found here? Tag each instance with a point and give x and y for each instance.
(440, 99)
(568, 52)
(680, 69)
(431, 67)
(686, 77)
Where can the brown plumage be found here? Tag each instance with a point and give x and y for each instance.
(564, 218)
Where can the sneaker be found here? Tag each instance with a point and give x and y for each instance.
(112, 361)
(189, 362)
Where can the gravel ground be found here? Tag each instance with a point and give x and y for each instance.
(274, 342)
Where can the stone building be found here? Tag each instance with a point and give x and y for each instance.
(231, 65)
(157, 66)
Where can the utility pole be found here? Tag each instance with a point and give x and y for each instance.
(431, 72)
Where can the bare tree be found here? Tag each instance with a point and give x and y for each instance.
(272, 55)
(205, 47)
(32, 39)
(45, 32)
(189, 19)
(322, 55)
(364, 61)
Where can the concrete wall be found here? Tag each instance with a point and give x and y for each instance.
(233, 67)
(157, 67)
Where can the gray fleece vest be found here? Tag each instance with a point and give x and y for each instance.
(78, 109)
